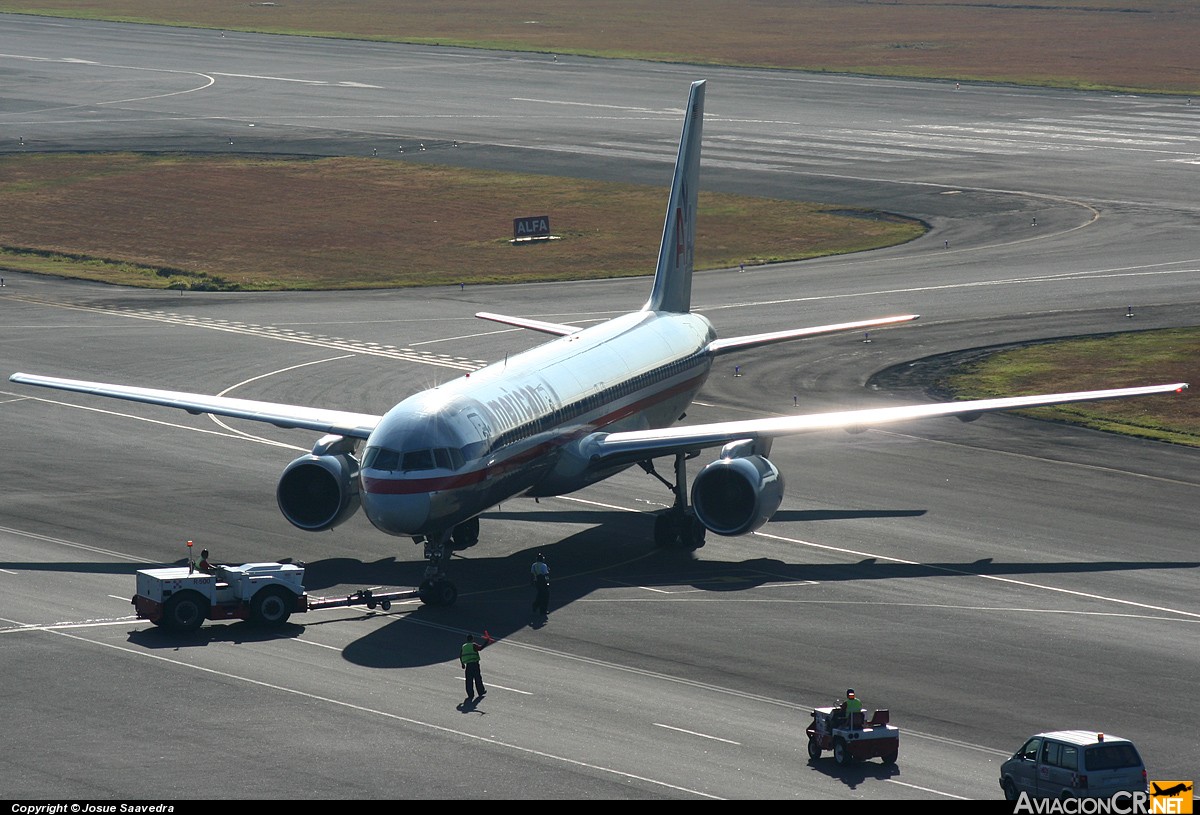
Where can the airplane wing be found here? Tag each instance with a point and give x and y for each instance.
(342, 423)
(636, 445)
(534, 325)
(718, 347)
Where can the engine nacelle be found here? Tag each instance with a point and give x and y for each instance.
(737, 495)
(318, 492)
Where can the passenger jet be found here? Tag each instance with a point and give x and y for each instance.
(568, 413)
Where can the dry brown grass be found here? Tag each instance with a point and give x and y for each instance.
(1121, 44)
(305, 223)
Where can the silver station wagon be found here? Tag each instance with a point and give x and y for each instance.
(1073, 764)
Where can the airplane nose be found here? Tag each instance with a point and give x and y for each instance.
(397, 514)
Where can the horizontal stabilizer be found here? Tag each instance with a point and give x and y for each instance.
(718, 347)
(342, 423)
(533, 325)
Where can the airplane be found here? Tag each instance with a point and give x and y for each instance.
(565, 414)
(1172, 790)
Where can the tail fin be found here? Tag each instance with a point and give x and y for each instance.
(673, 278)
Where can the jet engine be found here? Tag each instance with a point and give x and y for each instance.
(737, 493)
(320, 490)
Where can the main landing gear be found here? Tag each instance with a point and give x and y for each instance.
(677, 527)
(436, 589)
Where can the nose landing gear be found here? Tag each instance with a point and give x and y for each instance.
(436, 588)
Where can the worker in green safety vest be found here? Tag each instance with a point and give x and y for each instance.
(469, 659)
(853, 706)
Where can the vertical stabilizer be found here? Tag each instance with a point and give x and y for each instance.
(673, 277)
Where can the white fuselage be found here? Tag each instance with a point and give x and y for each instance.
(446, 454)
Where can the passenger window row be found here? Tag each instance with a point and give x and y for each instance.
(451, 458)
(596, 400)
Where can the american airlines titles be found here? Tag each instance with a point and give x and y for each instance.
(515, 406)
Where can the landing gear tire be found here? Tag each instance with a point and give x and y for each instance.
(814, 748)
(185, 611)
(438, 593)
(678, 530)
(271, 606)
(465, 534)
(666, 530)
(841, 754)
(695, 532)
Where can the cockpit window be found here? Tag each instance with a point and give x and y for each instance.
(443, 458)
(418, 460)
(381, 458)
(448, 458)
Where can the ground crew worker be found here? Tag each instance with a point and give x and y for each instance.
(853, 706)
(469, 660)
(539, 576)
(843, 714)
(204, 565)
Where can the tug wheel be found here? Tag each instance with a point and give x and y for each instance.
(272, 606)
(184, 611)
(814, 748)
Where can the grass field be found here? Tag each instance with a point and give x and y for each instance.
(1130, 360)
(345, 223)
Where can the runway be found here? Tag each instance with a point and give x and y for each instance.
(983, 581)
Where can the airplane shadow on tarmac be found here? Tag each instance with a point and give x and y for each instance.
(494, 593)
(615, 553)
